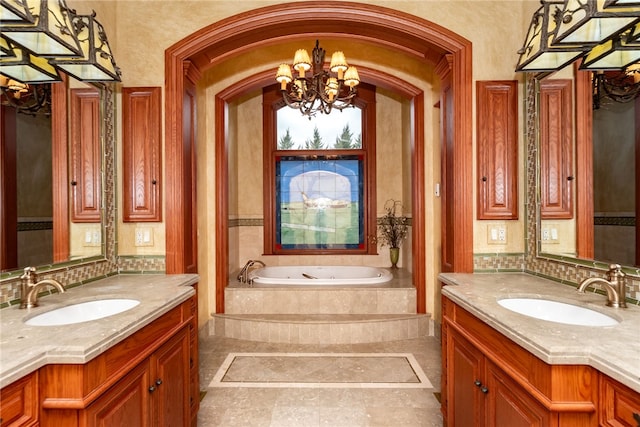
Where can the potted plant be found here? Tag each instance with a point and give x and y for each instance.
(393, 227)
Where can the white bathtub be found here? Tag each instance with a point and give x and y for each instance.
(305, 275)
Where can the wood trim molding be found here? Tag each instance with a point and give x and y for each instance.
(378, 25)
(584, 164)
(60, 165)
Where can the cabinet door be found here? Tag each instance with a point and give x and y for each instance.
(556, 152)
(465, 366)
(509, 405)
(170, 381)
(86, 155)
(126, 404)
(141, 154)
(619, 405)
(497, 109)
(19, 403)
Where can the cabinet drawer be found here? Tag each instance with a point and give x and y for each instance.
(19, 402)
(619, 405)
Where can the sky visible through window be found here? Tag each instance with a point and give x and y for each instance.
(330, 126)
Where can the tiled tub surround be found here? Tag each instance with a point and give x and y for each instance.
(323, 314)
(24, 349)
(612, 350)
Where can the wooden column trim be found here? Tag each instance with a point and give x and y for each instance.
(60, 169)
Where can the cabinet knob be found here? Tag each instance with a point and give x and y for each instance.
(569, 178)
(158, 381)
(152, 389)
(74, 183)
(154, 182)
(484, 389)
(477, 383)
(484, 179)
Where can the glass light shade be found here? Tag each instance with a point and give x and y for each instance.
(613, 4)
(537, 54)
(15, 12)
(338, 64)
(6, 49)
(96, 63)
(284, 74)
(51, 35)
(332, 87)
(28, 68)
(351, 77)
(587, 22)
(613, 54)
(301, 61)
(634, 34)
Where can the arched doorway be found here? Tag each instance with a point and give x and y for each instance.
(241, 33)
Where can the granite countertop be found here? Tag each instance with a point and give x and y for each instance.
(24, 348)
(612, 350)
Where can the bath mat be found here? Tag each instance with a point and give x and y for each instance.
(329, 370)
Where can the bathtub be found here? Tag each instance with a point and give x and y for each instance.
(307, 275)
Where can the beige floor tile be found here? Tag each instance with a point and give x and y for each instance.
(315, 407)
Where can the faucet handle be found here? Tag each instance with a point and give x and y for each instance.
(29, 274)
(615, 272)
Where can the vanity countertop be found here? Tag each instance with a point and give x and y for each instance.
(612, 350)
(24, 348)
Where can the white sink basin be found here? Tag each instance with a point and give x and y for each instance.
(558, 312)
(82, 312)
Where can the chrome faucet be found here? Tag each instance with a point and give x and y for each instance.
(243, 276)
(615, 286)
(30, 287)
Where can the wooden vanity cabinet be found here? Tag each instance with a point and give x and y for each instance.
(19, 402)
(488, 380)
(145, 380)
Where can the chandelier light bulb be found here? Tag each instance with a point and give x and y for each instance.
(351, 77)
(301, 61)
(284, 76)
(338, 64)
(332, 88)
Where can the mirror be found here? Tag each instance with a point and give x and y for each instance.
(45, 158)
(605, 145)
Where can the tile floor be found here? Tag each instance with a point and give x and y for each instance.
(311, 405)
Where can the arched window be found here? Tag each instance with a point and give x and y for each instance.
(319, 178)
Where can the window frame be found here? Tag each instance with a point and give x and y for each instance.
(272, 102)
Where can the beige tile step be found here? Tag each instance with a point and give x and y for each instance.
(322, 328)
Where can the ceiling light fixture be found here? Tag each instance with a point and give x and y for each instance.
(538, 54)
(589, 22)
(563, 31)
(613, 4)
(97, 63)
(51, 35)
(323, 91)
(26, 67)
(15, 12)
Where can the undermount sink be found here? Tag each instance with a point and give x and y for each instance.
(82, 312)
(559, 312)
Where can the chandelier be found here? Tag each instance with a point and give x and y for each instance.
(26, 99)
(324, 90)
(619, 86)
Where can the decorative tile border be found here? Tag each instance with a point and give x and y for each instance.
(421, 380)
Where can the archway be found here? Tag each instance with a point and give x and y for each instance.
(241, 33)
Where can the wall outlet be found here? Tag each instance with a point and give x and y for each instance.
(143, 236)
(498, 235)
